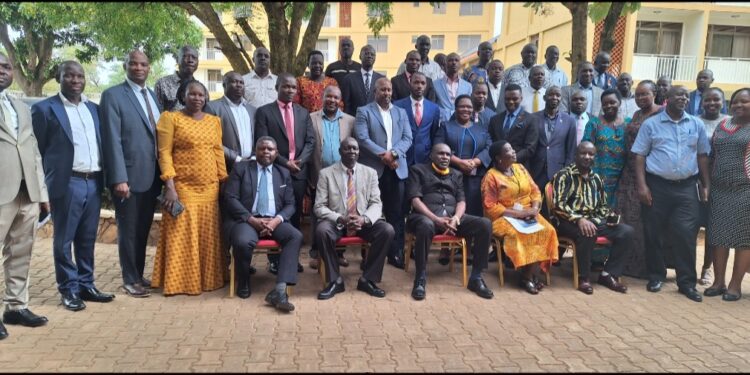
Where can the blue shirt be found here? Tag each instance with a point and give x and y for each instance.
(479, 71)
(269, 187)
(331, 141)
(554, 77)
(510, 117)
(672, 147)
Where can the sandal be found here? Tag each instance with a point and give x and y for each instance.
(713, 292)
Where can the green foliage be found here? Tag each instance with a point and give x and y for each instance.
(599, 10)
(541, 9)
(380, 16)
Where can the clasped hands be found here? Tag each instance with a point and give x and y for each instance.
(466, 166)
(264, 225)
(351, 222)
(449, 225)
(387, 159)
(293, 166)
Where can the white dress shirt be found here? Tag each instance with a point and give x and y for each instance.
(260, 91)
(495, 91)
(387, 124)
(431, 69)
(139, 95)
(528, 98)
(85, 145)
(364, 80)
(9, 113)
(581, 121)
(244, 127)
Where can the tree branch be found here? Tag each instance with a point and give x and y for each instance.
(243, 51)
(248, 30)
(298, 11)
(310, 37)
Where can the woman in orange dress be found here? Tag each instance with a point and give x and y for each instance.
(509, 191)
(189, 257)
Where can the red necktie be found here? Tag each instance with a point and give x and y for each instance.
(289, 126)
(351, 199)
(417, 114)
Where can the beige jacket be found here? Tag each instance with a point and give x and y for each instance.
(330, 197)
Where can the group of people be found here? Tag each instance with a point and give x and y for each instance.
(518, 154)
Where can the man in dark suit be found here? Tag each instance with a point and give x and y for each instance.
(401, 83)
(384, 135)
(67, 131)
(516, 126)
(237, 120)
(603, 80)
(495, 97)
(703, 80)
(358, 88)
(259, 201)
(339, 69)
(417, 107)
(290, 124)
(557, 139)
(129, 113)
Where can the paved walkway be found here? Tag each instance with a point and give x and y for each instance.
(452, 330)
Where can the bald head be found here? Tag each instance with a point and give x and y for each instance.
(137, 67)
(383, 92)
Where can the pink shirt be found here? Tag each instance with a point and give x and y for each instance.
(290, 127)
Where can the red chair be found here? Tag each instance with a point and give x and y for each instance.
(345, 243)
(264, 246)
(440, 241)
(568, 243)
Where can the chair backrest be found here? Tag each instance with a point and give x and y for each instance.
(549, 193)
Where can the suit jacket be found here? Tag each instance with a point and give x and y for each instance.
(692, 98)
(20, 158)
(346, 129)
(447, 106)
(610, 81)
(269, 121)
(422, 135)
(230, 139)
(330, 196)
(402, 88)
(523, 134)
(370, 133)
(128, 141)
(555, 153)
(353, 91)
(238, 195)
(55, 138)
(568, 91)
(498, 106)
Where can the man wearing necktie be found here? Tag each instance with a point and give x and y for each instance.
(358, 88)
(258, 203)
(129, 113)
(291, 126)
(533, 95)
(603, 79)
(424, 118)
(516, 126)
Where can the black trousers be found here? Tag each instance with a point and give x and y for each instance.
(296, 220)
(620, 235)
(392, 191)
(244, 238)
(379, 235)
(475, 229)
(134, 216)
(676, 204)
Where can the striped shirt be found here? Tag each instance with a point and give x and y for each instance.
(577, 198)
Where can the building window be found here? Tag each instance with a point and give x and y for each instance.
(470, 9)
(213, 50)
(438, 42)
(380, 43)
(328, 20)
(467, 43)
(728, 41)
(214, 81)
(439, 7)
(322, 46)
(658, 38)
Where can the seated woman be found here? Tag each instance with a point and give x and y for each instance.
(509, 191)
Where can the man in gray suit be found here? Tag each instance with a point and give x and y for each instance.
(129, 114)
(584, 83)
(384, 135)
(237, 120)
(22, 195)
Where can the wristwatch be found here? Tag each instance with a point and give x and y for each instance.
(394, 154)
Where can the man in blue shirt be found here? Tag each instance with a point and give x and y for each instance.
(485, 52)
(555, 75)
(671, 152)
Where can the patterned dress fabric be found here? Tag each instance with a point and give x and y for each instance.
(628, 203)
(611, 152)
(500, 192)
(189, 256)
(729, 220)
(310, 93)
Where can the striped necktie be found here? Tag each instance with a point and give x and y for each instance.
(351, 199)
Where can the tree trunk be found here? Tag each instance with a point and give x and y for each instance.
(606, 41)
(579, 12)
(278, 36)
(30, 67)
(310, 37)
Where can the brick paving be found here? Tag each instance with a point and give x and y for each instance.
(559, 330)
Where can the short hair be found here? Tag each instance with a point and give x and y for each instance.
(581, 65)
(126, 60)
(265, 138)
(436, 145)
(715, 88)
(492, 62)
(496, 148)
(63, 65)
(479, 82)
(461, 97)
(416, 74)
(513, 87)
(281, 77)
(331, 87)
(313, 53)
(734, 94)
(183, 90)
(650, 83)
(227, 75)
(182, 51)
(611, 91)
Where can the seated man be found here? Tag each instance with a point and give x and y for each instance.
(258, 203)
(438, 204)
(580, 212)
(347, 201)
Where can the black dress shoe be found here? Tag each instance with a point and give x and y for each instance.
(273, 267)
(396, 262)
(370, 288)
(419, 292)
(529, 286)
(731, 297)
(713, 292)
(492, 257)
(653, 286)
(72, 301)
(610, 282)
(3, 331)
(23, 317)
(331, 290)
(94, 295)
(136, 290)
(299, 267)
(252, 270)
(480, 288)
(692, 294)
(146, 282)
(243, 289)
(585, 286)
(280, 301)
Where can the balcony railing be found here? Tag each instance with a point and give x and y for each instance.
(728, 69)
(214, 86)
(211, 54)
(679, 67)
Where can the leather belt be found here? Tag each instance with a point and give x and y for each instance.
(85, 175)
(691, 179)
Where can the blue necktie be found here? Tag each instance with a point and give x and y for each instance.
(263, 194)
(508, 122)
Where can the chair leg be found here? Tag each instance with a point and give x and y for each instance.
(500, 265)
(453, 253)
(322, 271)
(231, 273)
(549, 282)
(289, 289)
(463, 261)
